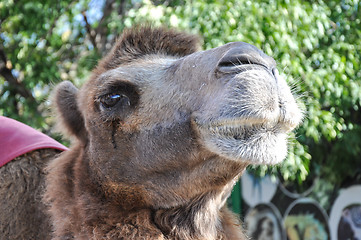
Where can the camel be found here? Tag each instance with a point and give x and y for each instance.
(160, 134)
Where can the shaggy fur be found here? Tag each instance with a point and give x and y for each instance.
(21, 187)
(137, 43)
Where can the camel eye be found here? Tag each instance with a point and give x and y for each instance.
(111, 100)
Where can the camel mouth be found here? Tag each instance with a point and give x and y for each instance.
(255, 141)
(242, 132)
(242, 129)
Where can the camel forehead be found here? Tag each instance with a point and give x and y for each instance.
(137, 72)
(152, 64)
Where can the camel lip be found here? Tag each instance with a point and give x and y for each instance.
(242, 133)
(257, 143)
(244, 128)
(235, 123)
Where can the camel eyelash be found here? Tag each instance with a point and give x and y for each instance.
(117, 95)
(111, 100)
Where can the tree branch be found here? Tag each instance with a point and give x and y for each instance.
(108, 8)
(121, 9)
(51, 28)
(101, 30)
(6, 73)
(91, 34)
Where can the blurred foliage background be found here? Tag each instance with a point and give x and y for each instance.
(317, 45)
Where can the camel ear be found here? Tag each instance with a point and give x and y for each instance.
(70, 119)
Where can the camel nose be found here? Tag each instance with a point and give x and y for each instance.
(241, 55)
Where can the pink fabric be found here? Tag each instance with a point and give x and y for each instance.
(17, 138)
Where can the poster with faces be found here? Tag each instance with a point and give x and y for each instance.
(272, 212)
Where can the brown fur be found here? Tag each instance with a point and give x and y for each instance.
(160, 134)
(21, 187)
(136, 43)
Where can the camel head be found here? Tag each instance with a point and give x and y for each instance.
(161, 123)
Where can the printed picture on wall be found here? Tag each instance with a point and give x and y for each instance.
(264, 222)
(305, 219)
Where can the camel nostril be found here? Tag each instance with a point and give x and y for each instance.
(241, 57)
(234, 60)
(275, 74)
(239, 62)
